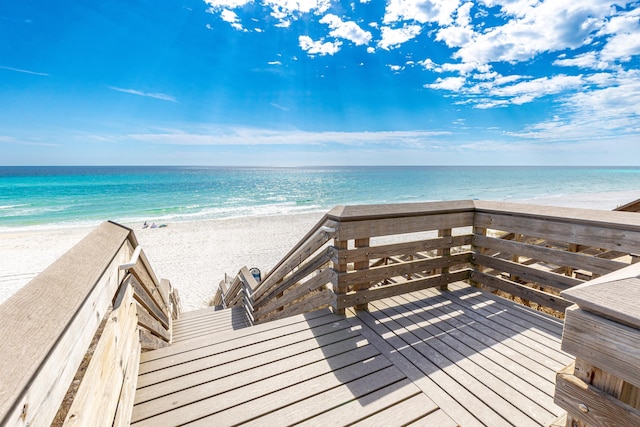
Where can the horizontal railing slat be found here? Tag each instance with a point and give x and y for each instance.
(545, 278)
(57, 313)
(366, 296)
(377, 274)
(539, 297)
(555, 256)
(383, 251)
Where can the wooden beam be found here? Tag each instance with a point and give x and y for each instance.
(554, 256)
(378, 274)
(47, 325)
(543, 298)
(590, 404)
(541, 277)
(97, 398)
(402, 225)
(362, 297)
(613, 346)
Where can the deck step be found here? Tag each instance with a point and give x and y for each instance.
(206, 321)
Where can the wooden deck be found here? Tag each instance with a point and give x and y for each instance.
(462, 357)
(208, 321)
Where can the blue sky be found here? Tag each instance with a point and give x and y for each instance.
(292, 83)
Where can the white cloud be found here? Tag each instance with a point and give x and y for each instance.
(594, 114)
(15, 141)
(346, 30)
(274, 63)
(422, 11)
(394, 37)
(318, 47)
(161, 96)
(256, 136)
(232, 18)
(447, 83)
(282, 10)
(19, 70)
(540, 27)
(227, 4)
(585, 60)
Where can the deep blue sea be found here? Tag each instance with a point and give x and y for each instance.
(36, 197)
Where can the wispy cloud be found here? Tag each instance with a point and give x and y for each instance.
(254, 136)
(19, 70)
(16, 141)
(161, 96)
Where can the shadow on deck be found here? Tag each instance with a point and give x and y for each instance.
(462, 356)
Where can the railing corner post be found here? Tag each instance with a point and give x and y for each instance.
(340, 268)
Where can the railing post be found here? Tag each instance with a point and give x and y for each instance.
(480, 231)
(340, 267)
(517, 237)
(444, 252)
(361, 265)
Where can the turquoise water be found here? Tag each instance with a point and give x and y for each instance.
(70, 196)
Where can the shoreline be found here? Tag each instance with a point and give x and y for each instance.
(195, 255)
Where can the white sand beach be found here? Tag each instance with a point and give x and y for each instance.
(195, 256)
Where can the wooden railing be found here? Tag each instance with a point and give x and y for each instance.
(300, 283)
(71, 338)
(357, 254)
(602, 386)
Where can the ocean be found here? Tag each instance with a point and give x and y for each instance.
(53, 197)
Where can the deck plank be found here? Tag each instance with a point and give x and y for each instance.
(272, 391)
(459, 357)
(453, 364)
(300, 352)
(482, 337)
(500, 380)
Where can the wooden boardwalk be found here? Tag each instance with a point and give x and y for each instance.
(193, 324)
(462, 357)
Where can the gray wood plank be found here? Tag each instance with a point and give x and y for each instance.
(465, 407)
(188, 350)
(402, 413)
(460, 324)
(316, 316)
(609, 345)
(220, 366)
(344, 410)
(435, 419)
(353, 400)
(531, 393)
(494, 392)
(215, 356)
(618, 300)
(286, 387)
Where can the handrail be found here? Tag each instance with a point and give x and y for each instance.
(47, 327)
(345, 253)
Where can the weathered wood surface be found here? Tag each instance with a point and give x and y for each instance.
(209, 321)
(362, 297)
(378, 274)
(618, 299)
(604, 343)
(600, 234)
(541, 277)
(539, 297)
(47, 325)
(326, 276)
(553, 256)
(402, 225)
(591, 404)
(314, 240)
(375, 252)
(98, 396)
(430, 358)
